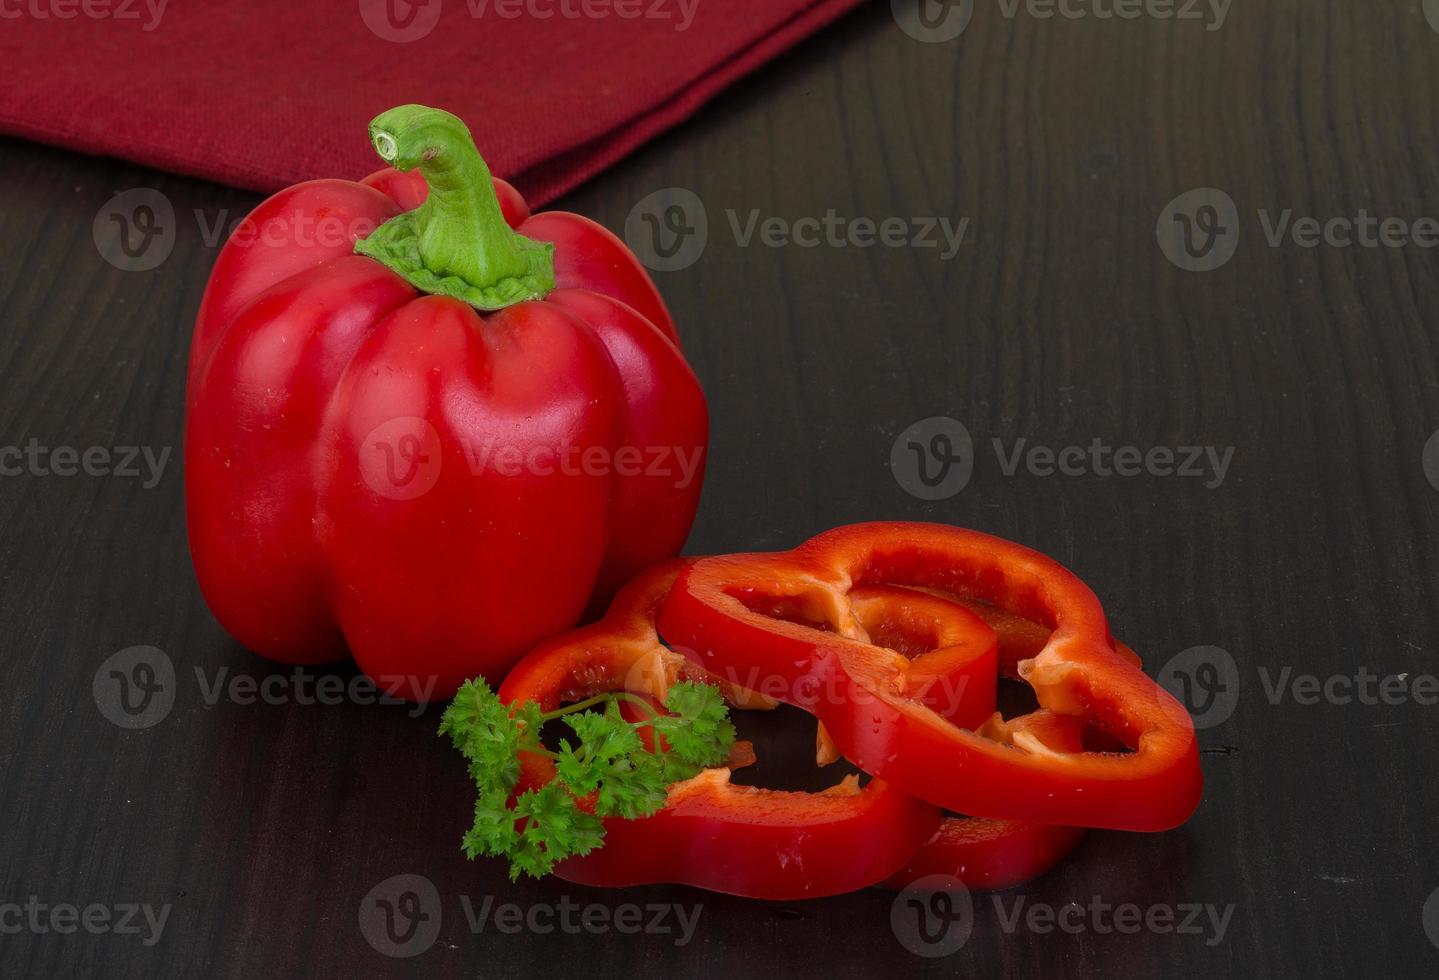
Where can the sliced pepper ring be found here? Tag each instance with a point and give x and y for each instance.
(952, 653)
(989, 854)
(722, 609)
(984, 854)
(711, 833)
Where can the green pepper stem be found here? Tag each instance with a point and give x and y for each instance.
(457, 243)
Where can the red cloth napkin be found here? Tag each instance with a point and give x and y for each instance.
(264, 93)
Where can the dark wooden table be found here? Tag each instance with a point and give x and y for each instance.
(260, 830)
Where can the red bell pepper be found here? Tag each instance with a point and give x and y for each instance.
(438, 451)
(983, 854)
(951, 649)
(711, 833)
(989, 854)
(952, 653)
(815, 656)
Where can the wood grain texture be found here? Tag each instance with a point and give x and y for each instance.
(1059, 321)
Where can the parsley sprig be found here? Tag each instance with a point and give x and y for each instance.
(607, 759)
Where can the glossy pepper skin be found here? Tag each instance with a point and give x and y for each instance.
(956, 650)
(724, 609)
(782, 845)
(435, 453)
(986, 854)
(711, 833)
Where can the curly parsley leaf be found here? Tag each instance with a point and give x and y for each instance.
(555, 828)
(608, 769)
(493, 833)
(698, 729)
(481, 727)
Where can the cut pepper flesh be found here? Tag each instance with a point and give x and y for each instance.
(711, 832)
(783, 621)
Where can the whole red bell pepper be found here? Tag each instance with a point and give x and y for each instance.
(437, 451)
(785, 621)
